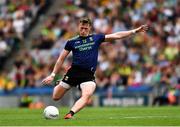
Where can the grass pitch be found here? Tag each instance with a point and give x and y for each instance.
(91, 116)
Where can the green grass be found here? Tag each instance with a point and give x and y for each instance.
(109, 116)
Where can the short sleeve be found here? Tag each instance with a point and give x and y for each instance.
(101, 37)
(68, 46)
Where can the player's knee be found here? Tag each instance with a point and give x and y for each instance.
(86, 98)
(86, 95)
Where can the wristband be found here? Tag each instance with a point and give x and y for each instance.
(53, 74)
(133, 31)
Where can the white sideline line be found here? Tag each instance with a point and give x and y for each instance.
(143, 117)
(94, 126)
(134, 117)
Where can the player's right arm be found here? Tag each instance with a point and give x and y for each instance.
(57, 67)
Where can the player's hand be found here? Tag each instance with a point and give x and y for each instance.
(142, 28)
(48, 80)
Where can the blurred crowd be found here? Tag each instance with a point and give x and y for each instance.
(150, 59)
(16, 18)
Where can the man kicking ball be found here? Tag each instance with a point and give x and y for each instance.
(84, 48)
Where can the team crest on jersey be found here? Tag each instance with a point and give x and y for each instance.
(91, 39)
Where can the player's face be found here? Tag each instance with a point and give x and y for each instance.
(84, 29)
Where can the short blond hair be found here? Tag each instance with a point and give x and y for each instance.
(85, 20)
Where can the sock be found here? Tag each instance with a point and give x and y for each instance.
(72, 113)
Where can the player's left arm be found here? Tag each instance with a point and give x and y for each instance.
(123, 34)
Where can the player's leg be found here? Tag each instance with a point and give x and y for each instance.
(60, 90)
(87, 89)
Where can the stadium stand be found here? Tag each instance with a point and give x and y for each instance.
(16, 20)
(145, 62)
